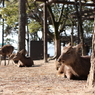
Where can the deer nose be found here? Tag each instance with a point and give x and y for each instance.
(59, 60)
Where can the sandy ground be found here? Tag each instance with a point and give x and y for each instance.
(38, 80)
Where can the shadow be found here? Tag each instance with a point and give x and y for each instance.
(78, 78)
(30, 66)
(37, 65)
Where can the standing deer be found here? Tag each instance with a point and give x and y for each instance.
(26, 61)
(79, 66)
(6, 50)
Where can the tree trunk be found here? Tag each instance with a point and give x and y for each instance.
(80, 24)
(22, 23)
(57, 48)
(72, 42)
(45, 31)
(91, 77)
(3, 26)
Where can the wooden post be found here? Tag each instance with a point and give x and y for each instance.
(45, 30)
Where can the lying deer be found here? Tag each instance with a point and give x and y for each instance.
(11, 58)
(64, 71)
(78, 65)
(6, 50)
(23, 52)
(26, 61)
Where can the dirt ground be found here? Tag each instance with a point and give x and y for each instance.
(38, 80)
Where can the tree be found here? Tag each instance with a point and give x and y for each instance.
(91, 77)
(58, 12)
(35, 15)
(59, 17)
(79, 17)
(10, 14)
(10, 17)
(22, 24)
(88, 27)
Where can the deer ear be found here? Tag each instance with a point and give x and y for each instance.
(78, 46)
(23, 52)
(69, 44)
(17, 52)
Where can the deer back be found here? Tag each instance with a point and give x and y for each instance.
(6, 50)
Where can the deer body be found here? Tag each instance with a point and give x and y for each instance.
(79, 65)
(82, 66)
(65, 71)
(26, 61)
(6, 50)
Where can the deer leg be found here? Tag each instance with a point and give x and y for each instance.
(8, 59)
(0, 59)
(8, 62)
(12, 62)
(61, 71)
(69, 74)
(21, 65)
(4, 60)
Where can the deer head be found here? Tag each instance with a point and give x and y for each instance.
(69, 54)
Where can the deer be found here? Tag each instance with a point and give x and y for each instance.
(77, 64)
(23, 52)
(5, 51)
(26, 61)
(64, 71)
(11, 58)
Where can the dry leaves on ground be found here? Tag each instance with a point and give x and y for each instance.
(38, 80)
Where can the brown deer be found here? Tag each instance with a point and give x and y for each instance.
(11, 58)
(64, 71)
(26, 61)
(23, 52)
(6, 50)
(79, 66)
